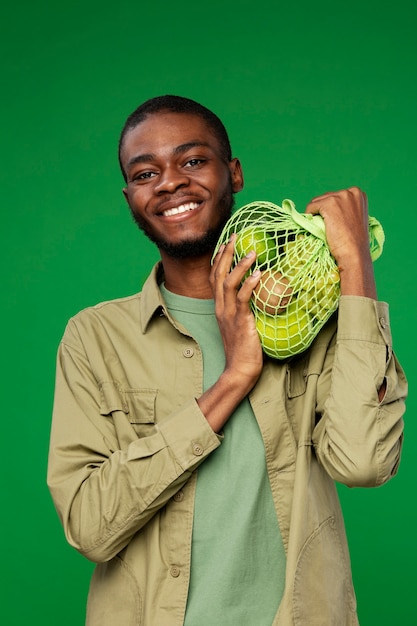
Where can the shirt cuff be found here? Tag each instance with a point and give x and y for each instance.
(189, 436)
(364, 319)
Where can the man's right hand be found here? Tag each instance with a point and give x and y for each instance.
(243, 352)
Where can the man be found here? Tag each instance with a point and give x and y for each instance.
(197, 473)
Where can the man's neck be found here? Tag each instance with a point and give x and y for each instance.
(188, 277)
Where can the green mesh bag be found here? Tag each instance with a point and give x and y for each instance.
(299, 287)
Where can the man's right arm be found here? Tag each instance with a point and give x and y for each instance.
(106, 482)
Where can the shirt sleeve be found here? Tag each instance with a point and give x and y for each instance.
(358, 438)
(105, 492)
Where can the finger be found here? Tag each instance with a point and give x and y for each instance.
(364, 199)
(226, 258)
(216, 260)
(240, 270)
(235, 281)
(321, 198)
(315, 206)
(246, 290)
(222, 261)
(354, 189)
(220, 274)
(321, 205)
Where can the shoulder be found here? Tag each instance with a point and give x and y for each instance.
(108, 307)
(120, 315)
(103, 318)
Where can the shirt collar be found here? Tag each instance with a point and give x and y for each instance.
(151, 300)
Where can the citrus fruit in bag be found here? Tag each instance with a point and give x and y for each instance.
(255, 238)
(284, 333)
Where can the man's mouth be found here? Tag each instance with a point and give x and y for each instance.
(183, 208)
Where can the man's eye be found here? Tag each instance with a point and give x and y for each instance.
(194, 162)
(144, 175)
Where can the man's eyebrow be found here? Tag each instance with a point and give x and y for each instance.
(140, 158)
(190, 144)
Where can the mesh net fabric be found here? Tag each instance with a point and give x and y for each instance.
(299, 288)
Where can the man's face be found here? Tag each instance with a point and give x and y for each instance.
(179, 187)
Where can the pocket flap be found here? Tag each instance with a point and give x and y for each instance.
(112, 398)
(138, 404)
(141, 405)
(297, 374)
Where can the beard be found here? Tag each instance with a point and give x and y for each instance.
(197, 246)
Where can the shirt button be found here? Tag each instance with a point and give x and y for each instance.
(175, 571)
(198, 449)
(383, 322)
(188, 352)
(179, 496)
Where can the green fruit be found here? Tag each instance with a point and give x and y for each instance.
(296, 255)
(320, 294)
(254, 238)
(285, 334)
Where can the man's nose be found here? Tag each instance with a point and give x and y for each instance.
(170, 180)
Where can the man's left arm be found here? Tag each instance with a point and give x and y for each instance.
(361, 398)
(358, 437)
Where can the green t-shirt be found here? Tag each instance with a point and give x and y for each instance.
(237, 556)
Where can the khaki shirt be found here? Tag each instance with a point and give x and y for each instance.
(128, 436)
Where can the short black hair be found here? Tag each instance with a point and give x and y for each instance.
(176, 104)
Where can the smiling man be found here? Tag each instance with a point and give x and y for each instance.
(197, 473)
(180, 191)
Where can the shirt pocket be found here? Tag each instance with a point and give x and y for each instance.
(141, 407)
(322, 591)
(132, 411)
(299, 372)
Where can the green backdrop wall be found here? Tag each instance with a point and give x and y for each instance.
(316, 96)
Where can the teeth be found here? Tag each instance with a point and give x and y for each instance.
(183, 208)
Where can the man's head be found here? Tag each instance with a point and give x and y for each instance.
(180, 177)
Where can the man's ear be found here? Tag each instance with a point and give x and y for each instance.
(124, 191)
(236, 174)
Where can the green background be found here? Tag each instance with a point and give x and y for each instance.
(316, 97)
